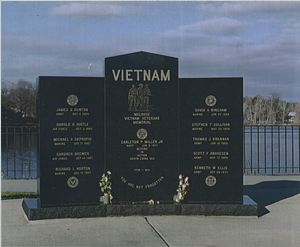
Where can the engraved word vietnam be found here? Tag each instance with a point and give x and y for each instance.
(141, 74)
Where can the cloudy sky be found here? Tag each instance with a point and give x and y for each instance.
(259, 41)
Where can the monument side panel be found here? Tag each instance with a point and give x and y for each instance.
(211, 138)
(71, 140)
(142, 126)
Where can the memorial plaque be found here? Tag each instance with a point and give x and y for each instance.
(71, 140)
(211, 138)
(142, 126)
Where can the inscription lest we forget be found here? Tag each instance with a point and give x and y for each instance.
(71, 139)
(142, 125)
(146, 127)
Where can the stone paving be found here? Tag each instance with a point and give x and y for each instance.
(277, 225)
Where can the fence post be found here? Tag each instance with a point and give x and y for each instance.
(278, 128)
(29, 139)
(292, 148)
(285, 151)
(14, 152)
(265, 144)
(272, 141)
(251, 149)
(6, 151)
(257, 149)
(22, 151)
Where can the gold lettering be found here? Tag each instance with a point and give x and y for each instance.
(220, 138)
(138, 74)
(63, 124)
(202, 167)
(63, 139)
(165, 77)
(155, 183)
(81, 109)
(221, 124)
(130, 142)
(147, 75)
(131, 118)
(218, 110)
(62, 109)
(141, 122)
(150, 118)
(65, 154)
(82, 139)
(82, 124)
(59, 173)
(143, 114)
(218, 153)
(200, 124)
(83, 168)
(62, 168)
(155, 75)
(197, 128)
(82, 153)
(200, 139)
(128, 75)
(59, 143)
(62, 158)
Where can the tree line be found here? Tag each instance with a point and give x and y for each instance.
(21, 98)
(270, 110)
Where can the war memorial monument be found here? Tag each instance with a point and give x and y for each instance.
(146, 126)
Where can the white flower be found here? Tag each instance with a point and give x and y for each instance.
(180, 176)
(108, 172)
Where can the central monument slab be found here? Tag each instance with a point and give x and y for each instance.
(142, 126)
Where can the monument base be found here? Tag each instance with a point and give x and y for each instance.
(34, 212)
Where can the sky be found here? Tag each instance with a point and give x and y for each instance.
(259, 41)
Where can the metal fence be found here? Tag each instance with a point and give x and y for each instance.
(271, 149)
(18, 151)
(268, 150)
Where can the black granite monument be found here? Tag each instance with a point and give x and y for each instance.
(146, 126)
(71, 140)
(211, 138)
(142, 126)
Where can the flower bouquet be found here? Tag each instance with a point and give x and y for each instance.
(182, 188)
(105, 185)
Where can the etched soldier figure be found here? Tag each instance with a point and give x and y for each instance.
(140, 97)
(146, 94)
(132, 98)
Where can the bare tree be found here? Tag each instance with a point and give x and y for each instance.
(297, 112)
(283, 110)
(272, 107)
(23, 98)
(247, 109)
(257, 109)
(267, 110)
(5, 94)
